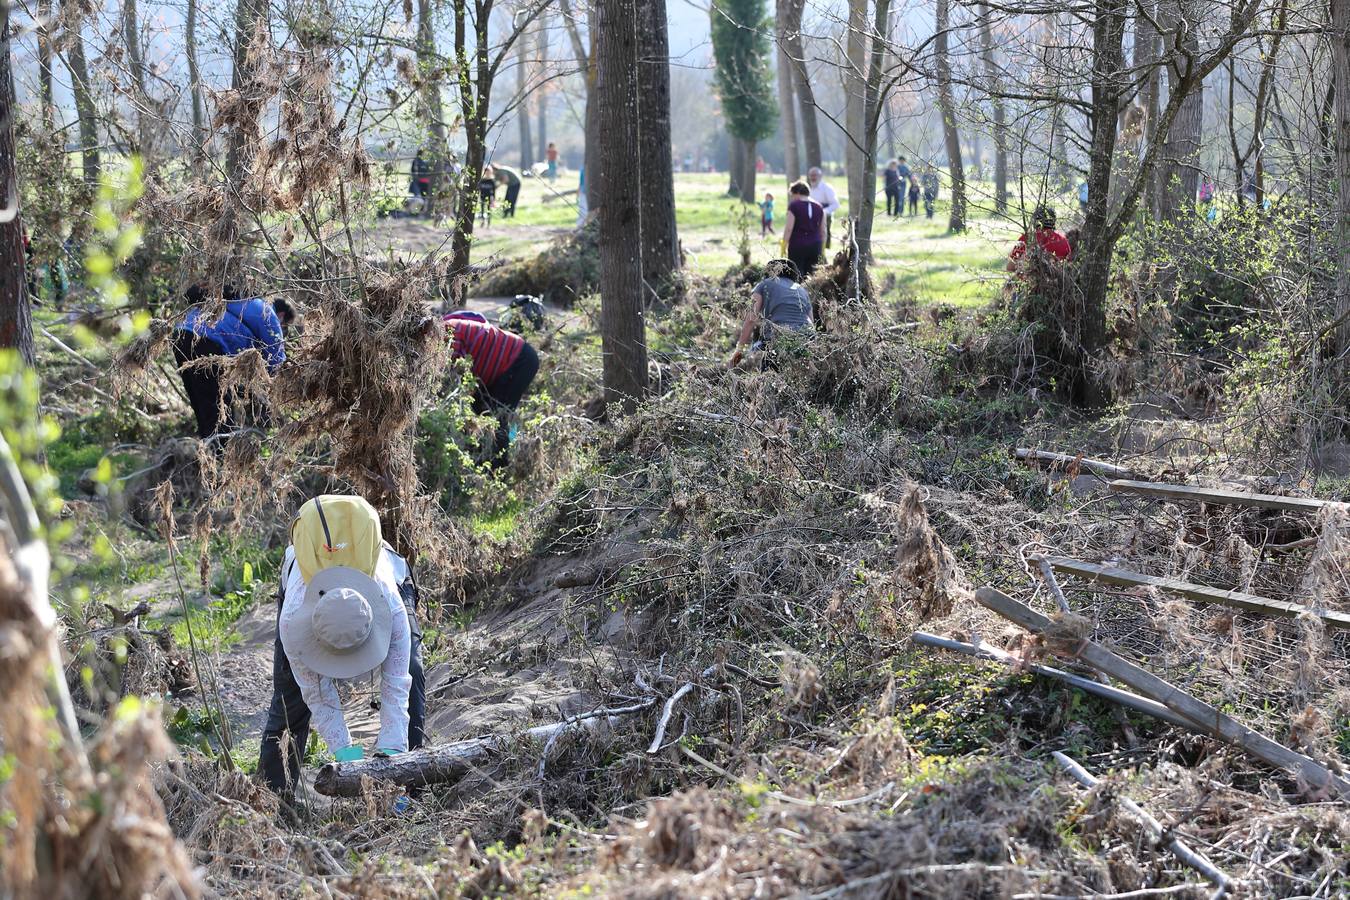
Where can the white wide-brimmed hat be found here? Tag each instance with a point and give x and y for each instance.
(343, 626)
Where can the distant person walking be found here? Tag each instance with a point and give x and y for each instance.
(778, 305)
(930, 189)
(509, 178)
(821, 192)
(804, 231)
(891, 174)
(913, 194)
(487, 195)
(420, 187)
(551, 156)
(1048, 238)
(245, 324)
(766, 215)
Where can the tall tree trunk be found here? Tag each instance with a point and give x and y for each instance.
(749, 170)
(44, 45)
(1097, 243)
(199, 135)
(735, 166)
(541, 50)
(248, 21)
(622, 327)
(1180, 175)
(84, 103)
(474, 96)
(523, 109)
(131, 37)
(1147, 50)
(429, 70)
(656, 168)
(801, 81)
(855, 101)
(16, 324)
(787, 96)
(873, 111)
(947, 108)
(1000, 110)
(1340, 61)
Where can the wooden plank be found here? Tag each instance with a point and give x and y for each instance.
(1144, 682)
(1197, 592)
(1063, 461)
(1222, 496)
(1114, 694)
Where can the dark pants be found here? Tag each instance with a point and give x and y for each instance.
(893, 201)
(806, 258)
(420, 188)
(928, 201)
(913, 203)
(503, 396)
(512, 194)
(288, 716)
(202, 382)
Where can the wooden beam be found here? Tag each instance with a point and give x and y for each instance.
(1066, 461)
(1224, 727)
(1222, 496)
(1197, 592)
(1114, 694)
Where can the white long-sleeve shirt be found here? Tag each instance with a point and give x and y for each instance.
(823, 194)
(320, 691)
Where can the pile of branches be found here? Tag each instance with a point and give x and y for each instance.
(568, 270)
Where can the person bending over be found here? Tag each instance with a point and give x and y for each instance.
(1048, 238)
(347, 605)
(779, 304)
(504, 364)
(245, 324)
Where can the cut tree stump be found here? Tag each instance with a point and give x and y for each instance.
(1222, 726)
(1197, 592)
(1063, 461)
(1220, 496)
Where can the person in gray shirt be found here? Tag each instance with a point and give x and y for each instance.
(779, 303)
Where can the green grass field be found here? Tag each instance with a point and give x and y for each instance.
(927, 262)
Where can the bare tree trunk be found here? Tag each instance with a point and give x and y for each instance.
(622, 328)
(787, 97)
(749, 171)
(475, 96)
(1000, 109)
(199, 135)
(131, 37)
(84, 104)
(1147, 50)
(16, 323)
(947, 107)
(1180, 175)
(44, 43)
(873, 110)
(1340, 63)
(656, 168)
(735, 166)
(433, 110)
(523, 109)
(801, 80)
(855, 100)
(541, 50)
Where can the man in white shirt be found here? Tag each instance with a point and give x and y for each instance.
(353, 614)
(823, 194)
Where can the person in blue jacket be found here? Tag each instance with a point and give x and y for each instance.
(246, 324)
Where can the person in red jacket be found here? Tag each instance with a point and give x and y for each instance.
(504, 364)
(1047, 238)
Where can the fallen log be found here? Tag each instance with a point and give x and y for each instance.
(1179, 848)
(1223, 727)
(1096, 688)
(447, 763)
(1220, 496)
(1197, 592)
(1066, 461)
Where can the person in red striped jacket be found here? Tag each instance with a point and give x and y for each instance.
(504, 364)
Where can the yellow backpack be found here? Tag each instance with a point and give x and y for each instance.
(336, 530)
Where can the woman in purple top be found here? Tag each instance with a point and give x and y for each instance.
(804, 233)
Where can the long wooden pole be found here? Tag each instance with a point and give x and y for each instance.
(1175, 699)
